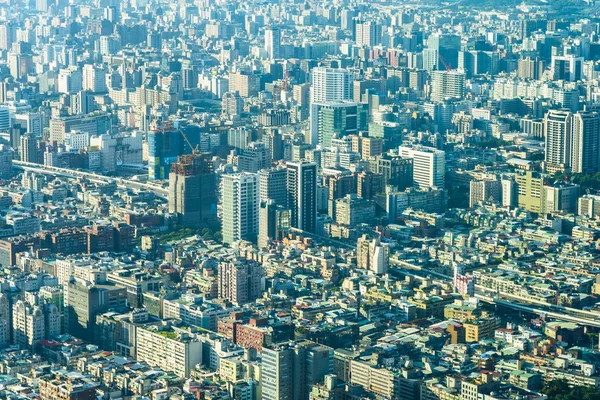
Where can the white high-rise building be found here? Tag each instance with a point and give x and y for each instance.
(273, 42)
(241, 195)
(429, 166)
(329, 85)
(447, 84)
(585, 152)
(558, 131)
(94, 78)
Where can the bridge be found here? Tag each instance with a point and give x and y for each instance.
(92, 177)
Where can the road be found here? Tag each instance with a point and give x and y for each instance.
(92, 177)
(559, 313)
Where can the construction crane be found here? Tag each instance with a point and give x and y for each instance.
(447, 66)
(195, 150)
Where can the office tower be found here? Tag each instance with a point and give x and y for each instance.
(84, 301)
(585, 154)
(6, 165)
(154, 40)
(246, 84)
(193, 191)
(255, 158)
(389, 132)
(239, 138)
(232, 104)
(335, 120)
(396, 171)
(94, 78)
(441, 52)
(240, 280)
(372, 255)
(347, 19)
(566, 98)
(558, 130)
(429, 166)
(32, 122)
(330, 84)
(530, 68)
(96, 124)
(273, 42)
(274, 142)
(302, 197)
(368, 184)
(29, 150)
(567, 68)
(447, 84)
(290, 371)
(240, 194)
(8, 35)
(352, 210)
(274, 222)
(367, 33)
(273, 185)
(5, 320)
(489, 190)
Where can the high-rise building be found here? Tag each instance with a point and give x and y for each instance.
(29, 150)
(585, 153)
(273, 42)
(396, 171)
(290, 371)
(530, 68)
(367, 33)
(485, 190)
(28, 325)
(331, 84)
(232, 104)
(273, 185)
(372, 255)
(240, 280)
(246, 84)
(274, 222)
(84, 301)
(429, 166)
(302, 196)
(94, 78)
(447, 84)
(558, 131)
(240, 193)
(6, 165)
(335, 120)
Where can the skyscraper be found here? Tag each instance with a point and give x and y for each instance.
(557, 125)
(336, 120)
(331, 84)
(29, 151)
(193, 191)
(367, 33)
(429, 166)
(273, 42)
(240, 194)
(274, 222)
(328, 85)
(302, 196)
(585, 154)
(290, 371)
(446, 84)
(273, 184)
(240, 280)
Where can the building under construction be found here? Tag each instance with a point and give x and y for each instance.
(193, 191)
